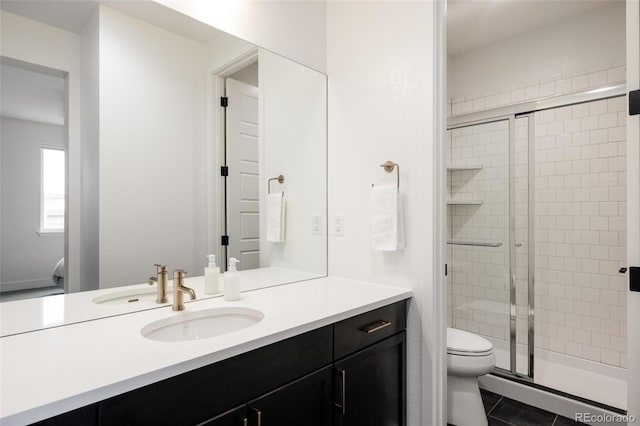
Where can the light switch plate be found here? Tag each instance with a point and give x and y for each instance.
(338, 225)
(316, 224)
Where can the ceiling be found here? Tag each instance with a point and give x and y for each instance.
(475, 23)
(39, 95)
(31, 95)
(70, 15)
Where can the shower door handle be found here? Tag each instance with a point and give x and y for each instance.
(634, 278)
(634, 102)
(512, 295)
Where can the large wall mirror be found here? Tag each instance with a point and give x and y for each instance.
(143, 140)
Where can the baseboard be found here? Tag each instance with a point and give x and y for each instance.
(26, 284)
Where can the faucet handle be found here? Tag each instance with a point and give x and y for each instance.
(179, 274)
(160, 268)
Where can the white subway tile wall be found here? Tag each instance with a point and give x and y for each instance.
(580, 190)
(580, 234)
(570, 82)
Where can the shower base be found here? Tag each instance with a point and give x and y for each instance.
(575, 376)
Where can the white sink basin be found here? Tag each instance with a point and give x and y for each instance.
(193, 325)
(133, 296)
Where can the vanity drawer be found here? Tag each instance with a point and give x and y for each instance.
(363, 330)
(204, 393)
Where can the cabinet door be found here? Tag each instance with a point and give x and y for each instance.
(235, 417)
(370, 385)
(307, 401)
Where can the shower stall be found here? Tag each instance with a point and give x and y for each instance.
(536, 240)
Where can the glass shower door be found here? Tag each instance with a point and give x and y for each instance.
(522, 252)
(479, 230)
(537, 239)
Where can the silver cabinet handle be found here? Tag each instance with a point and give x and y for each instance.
(259, 414)
(343, 385)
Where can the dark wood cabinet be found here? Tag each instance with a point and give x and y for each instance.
(235, 417)
(370, 385)
(307, 401)
(199, 395)
(351, 373)
(85, 416)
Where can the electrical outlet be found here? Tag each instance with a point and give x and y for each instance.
(316, 225)
(338, 225)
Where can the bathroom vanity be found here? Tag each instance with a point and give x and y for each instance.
(328, 351)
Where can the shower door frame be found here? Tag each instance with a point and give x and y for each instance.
(511, 113)
(480, 118)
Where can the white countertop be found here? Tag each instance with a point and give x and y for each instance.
(55, 370)
(27, 315)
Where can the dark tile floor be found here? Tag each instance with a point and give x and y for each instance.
(502, 411)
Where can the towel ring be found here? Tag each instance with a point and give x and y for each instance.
(280, 179)
(388, 167)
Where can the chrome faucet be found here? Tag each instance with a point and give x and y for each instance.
(161, 279)
(179, 288)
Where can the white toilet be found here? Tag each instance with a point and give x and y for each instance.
(468, 356)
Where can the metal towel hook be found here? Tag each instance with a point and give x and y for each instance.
(388, 167)
(280, 179)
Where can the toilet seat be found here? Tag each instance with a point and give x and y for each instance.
(469, 353)
(463, 343)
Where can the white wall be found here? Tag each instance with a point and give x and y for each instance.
(225, 50)
(152, 132)
(381, 107)
(28, 258)
(556, 51)
(33, 42)
(295, 29)
(90, 213)
(293, 126)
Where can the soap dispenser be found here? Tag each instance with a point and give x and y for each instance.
(212, 276)
(232, 281)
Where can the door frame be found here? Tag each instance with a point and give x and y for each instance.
(633, 209)
(72, 192)
(633, 195)
(215, 151)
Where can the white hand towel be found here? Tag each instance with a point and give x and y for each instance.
(276, 204)
(387, 223)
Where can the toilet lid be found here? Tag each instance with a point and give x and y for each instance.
(462, 341)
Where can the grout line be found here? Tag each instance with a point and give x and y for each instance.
(502, 421)
(495, 405)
